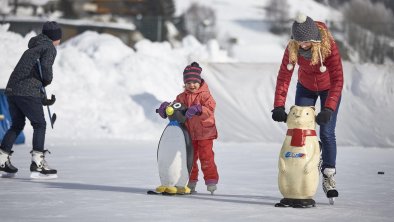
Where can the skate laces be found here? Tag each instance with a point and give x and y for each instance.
(43, 161)
(40, 160)
(329, 181)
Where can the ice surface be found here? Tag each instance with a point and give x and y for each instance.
(107, 180)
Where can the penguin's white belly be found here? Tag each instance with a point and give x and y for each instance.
(172, 157)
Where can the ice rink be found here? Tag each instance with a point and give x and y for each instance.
(107, 180)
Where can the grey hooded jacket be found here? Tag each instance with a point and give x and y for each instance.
(25, 79)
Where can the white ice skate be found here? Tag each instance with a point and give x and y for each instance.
(329, 184)
(7, 170)
(39, 167)
(211, 188)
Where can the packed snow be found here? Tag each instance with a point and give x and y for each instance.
(107, 89)
(246, 22)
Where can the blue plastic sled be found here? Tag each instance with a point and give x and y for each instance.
(5, 124)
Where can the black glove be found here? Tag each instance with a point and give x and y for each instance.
(48, 102)
(324, 116)
(279, 114)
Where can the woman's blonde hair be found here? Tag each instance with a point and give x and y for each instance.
(324, 46)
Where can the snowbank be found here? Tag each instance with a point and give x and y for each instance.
(106, 89)
(243, 22)
(245, 97)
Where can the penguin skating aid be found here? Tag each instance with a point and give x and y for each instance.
(174, 154)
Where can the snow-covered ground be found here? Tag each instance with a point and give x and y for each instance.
(243, 21)
(107, 180)
(106, 89)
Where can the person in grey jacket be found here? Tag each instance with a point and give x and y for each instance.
(25, 99)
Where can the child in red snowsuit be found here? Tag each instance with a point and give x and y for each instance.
(200, 124)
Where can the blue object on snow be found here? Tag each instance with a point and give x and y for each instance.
(5, 124)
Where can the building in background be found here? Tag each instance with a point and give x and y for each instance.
(130, 20)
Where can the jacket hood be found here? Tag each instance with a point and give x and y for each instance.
(40, 39)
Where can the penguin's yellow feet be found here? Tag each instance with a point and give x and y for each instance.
(171, 190)
(161, 189)
(183, 190)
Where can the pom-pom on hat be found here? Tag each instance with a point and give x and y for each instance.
(52, 30)
(304, 29)
(192, 72)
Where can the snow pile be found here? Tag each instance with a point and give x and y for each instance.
(243, 22)
(367, 106)
(106, 89)
(12, 46)
(114, 90)
(245, 97)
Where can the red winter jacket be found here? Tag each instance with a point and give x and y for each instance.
(200, 127)
(310, 76)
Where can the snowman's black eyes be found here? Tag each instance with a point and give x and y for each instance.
(307, 113)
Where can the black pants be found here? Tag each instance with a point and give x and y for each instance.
(22, 107)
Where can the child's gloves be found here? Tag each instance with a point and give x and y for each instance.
(162, 109)
(279, 114)
(324, 116)
(193, 110)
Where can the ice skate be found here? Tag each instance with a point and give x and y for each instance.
(39, 167)
(211, 188)
(7, 170)
(192, 186)
(329, 184)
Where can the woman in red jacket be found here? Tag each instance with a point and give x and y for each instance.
(320, 74)
(200, 124)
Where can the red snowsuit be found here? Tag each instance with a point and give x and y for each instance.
(203, 131)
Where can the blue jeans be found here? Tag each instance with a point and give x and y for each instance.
(22, 107)
(306, 97)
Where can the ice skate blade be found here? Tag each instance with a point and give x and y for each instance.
(37, 175)
(7, 175)
(331, 200)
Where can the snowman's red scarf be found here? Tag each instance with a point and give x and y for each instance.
(298, 136)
